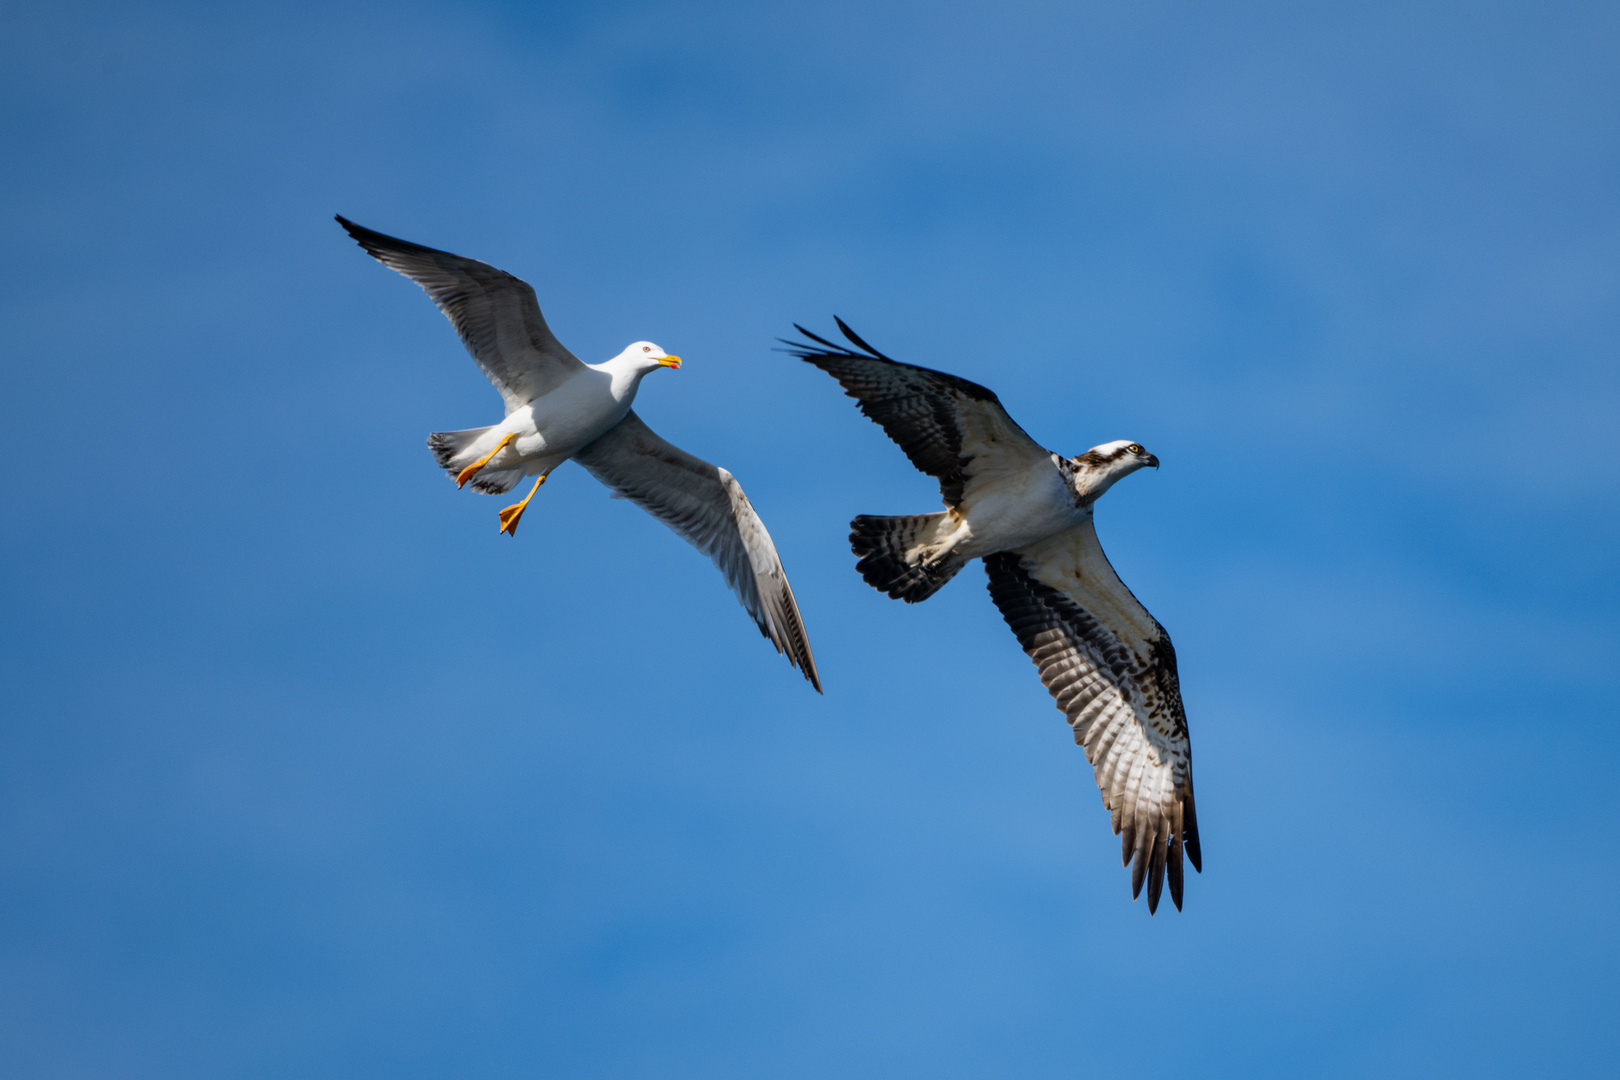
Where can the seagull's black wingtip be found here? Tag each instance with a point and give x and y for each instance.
(357, 233)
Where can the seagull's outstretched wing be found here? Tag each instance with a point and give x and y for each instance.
(495, 313)
(706, 506)
(1112, 670)
(954, 430)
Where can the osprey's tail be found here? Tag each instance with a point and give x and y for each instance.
(453, 450)
(899, 555)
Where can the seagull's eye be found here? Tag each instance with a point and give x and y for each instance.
(1134, 448)
(646, 348)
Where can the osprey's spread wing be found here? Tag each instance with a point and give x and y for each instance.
(1112, 671)
(954, 430)
(706, 506)
(495, 313)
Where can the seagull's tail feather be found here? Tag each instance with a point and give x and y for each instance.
(449, 447)
(495, 481)
(900, 555)
(453, 450)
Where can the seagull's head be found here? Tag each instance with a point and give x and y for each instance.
(644, 356)
(1101, 467)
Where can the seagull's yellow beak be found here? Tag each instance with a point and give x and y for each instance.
(670, 361)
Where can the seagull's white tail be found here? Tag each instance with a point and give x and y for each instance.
(453, 451)
(898, 555)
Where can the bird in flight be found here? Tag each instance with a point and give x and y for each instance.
(1027, 512)
(558, 408)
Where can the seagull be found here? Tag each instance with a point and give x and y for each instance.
(1027, 513)
(558, 408)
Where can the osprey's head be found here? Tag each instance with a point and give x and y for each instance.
(1101, 467)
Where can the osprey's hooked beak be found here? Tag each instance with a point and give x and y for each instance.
(1152, 462)
(670, 362)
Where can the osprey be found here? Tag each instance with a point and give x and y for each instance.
(1027, 512)
(559, 407)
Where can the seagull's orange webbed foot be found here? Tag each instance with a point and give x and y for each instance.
(472, 470)
(514, 513)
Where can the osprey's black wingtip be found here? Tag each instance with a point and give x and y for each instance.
(856, 338)
(1195, 853)
(819, 340)
(832, 348)
(798, 348)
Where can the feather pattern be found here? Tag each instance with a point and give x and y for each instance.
(496, 315)
(1111, 670)
(1028, 512)
(705, 506)
(944, 424)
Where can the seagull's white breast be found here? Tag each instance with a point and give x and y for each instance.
(571, 416)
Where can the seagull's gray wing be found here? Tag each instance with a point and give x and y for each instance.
(954, 430)
(1111, 669)
(495, 313)
(706, 506)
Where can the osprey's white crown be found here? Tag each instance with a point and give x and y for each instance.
(1101, 467)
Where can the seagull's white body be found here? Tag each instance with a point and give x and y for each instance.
(553, 428)
(559, 408)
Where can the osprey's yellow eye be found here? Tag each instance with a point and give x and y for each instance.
(1134, 448)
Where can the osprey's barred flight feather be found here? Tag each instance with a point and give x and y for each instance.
(1027, 512)
(559, 408)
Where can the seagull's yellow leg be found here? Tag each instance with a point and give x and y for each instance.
(511, 515)
(472, 470)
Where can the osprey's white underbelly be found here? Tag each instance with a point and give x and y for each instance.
(1017, 510)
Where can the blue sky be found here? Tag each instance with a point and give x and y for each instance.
(304, 770)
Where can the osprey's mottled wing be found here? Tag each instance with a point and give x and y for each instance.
(1111, 669)
(706, 506)
(954, 430)
(495, 313)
